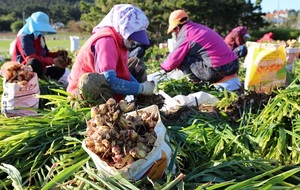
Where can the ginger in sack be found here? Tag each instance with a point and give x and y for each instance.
(15, 72)
(117, 138)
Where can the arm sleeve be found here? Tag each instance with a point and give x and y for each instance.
(106, 54)
(176, 57)
(45, 60)
(106, 60)
(120, 86)
(29, 50)
(132, 78)
(52, 54)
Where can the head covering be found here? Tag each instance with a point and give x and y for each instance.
(36, 24)
(243, 31)
(126, 20)
(174, 19)
(141, 37)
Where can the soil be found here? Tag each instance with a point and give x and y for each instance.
(142, 101)
(246, 102)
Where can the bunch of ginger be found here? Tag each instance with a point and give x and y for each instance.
(118, 138)
(15, 72)
(291, 43)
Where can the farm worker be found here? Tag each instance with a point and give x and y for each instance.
(268, 37)
(236, 40)
(201, 53)
(101, 68)
(31, 49)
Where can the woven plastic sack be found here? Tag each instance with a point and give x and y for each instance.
(292, 55)
(265, 66)
(16, 98)
(155, 163)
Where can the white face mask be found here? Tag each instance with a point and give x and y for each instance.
(129, 43)
(174, 36)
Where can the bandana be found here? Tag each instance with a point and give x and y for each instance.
(126, 19)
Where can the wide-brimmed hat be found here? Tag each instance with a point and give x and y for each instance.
(174, 19)
(141, 37)
(39, 22)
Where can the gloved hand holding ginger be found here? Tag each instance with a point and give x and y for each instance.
(64, 54)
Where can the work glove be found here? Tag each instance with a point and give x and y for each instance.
(148, 87)
(60, 62)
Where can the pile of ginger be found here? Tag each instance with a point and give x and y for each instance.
(119, 138)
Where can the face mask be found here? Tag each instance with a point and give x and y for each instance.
(174, 36)
(129, 43)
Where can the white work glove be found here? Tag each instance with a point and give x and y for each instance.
(148, 87)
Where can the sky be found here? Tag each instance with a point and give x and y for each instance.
(271, 5)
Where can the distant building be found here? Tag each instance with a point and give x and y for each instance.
(289, 17)
(277, 17)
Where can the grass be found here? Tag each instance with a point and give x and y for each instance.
(4, 46)
(54, 42)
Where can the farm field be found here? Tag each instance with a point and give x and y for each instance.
(248, 140)
(54, 42)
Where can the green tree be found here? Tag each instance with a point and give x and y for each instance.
(220, 15)
(16, 26)
(7, 19)
(58, 10)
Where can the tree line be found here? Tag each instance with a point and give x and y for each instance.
(18, 10)
(220, 15)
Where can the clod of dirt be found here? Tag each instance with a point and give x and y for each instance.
(148, 100)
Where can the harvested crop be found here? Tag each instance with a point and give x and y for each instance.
(17, 73)
(119, 138)
(291, 43)
(64, 56)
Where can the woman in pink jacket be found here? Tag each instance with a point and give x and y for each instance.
(199, 51)
(268, 37)
(100, 70)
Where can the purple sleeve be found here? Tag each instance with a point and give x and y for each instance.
(176, 57)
